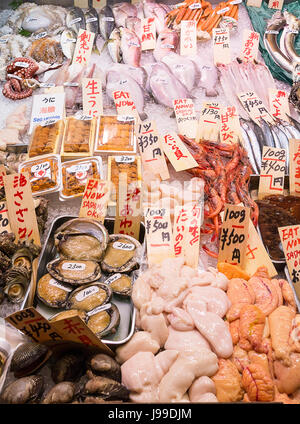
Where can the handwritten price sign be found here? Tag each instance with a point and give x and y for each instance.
(177, 153)
(230, 130)
(92, 97)
(209, 122)
(221, 41)
(83, 48)
(294, 148)
(148, 37)
(275, 4)
(186, 117)
(234, 235)
(279, 104)
(250, 45)
(95, 199)
(188, 38)
(272, 171)
(254, 106)
(290, 239)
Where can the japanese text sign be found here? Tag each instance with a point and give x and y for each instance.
(254, 106)
(84, 4)
(148, 37)
(95, 199)
(230, 130)
(271, 180)
(4, 221)
(221, 40)
(234, 235)
(209, 122)
(249, 45)
(279, 104)
(186, 117)
(128, 213)
(177, 153)
(98, 4)
(2, 174)
(187, 223)
(92, 97)
(254, 3)
(275, 4)
(83, 48)
(296, 72)
(188, 38)
(124, 103)
(46, 109)
(21, 209)
(290, 240)
(294, 174)
(151, 150)
(158, 234)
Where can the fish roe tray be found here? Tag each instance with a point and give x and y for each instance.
(125, 306)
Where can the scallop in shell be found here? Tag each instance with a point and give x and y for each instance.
(90, 297)
(121, 284)
(53, 293)
(104, 320)
(122, 254)
(29, 357)
(74, 272)
(81, 239)
(24, 390)
(69, 314)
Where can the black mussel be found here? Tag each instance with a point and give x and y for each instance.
(28, 358)
(68, 367)
(106, 366)
(25, 390)
(63, 392)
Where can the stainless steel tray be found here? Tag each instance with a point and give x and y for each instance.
(288, 277)
(125, 306)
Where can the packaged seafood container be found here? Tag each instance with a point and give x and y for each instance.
(288, 277)
(115, 134)
(76, 173)
(131, 165)
(79, 136)
(46, 139)
(44, 174)
(125, 305)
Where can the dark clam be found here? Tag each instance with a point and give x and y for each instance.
(82, 239)
(122, 254)
(63, 392)
(28, 358)
(106, 388)
(121, 284)
(25, 390)
(72, 272)
(53, 293)
(106, 366)
(90, 297)
(68, 367)
(104, 320)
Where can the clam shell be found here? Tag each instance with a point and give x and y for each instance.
(67, 367)
(28, 358)
(74, 272)
(24, 390)
(106, 388)
(81, 239)
(63, 392)
(120, 257)
(104, 320)
(121, 284)
(53, 293)
(89, 297)
(106, 366)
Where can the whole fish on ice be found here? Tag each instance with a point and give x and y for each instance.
(183, 69)
(166, 42)
(158, 11)
(122, 11)
(106, 22)
(130, 47)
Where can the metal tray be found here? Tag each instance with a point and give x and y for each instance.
(125, 306)
(288, 277)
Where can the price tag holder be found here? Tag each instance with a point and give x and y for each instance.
(177, 153)
(187, 223)
(151, 150)
(148, 38)
(209, 122)
(92, 97)
(124, 103)
(128, 212)
(84, 4)
(296, 72)
(254, 3)
(83, 48)
(234, 235)
(158, 235)
(250, 45)
(290, 240)
(254, 106)
(230, 130)
(279, 104)
(271, 180)
(188, 38)
(294, 174)
(221, 40)
(186, 117)
(95, 199)
(275, 4)
(21, 211)
(47, 107)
